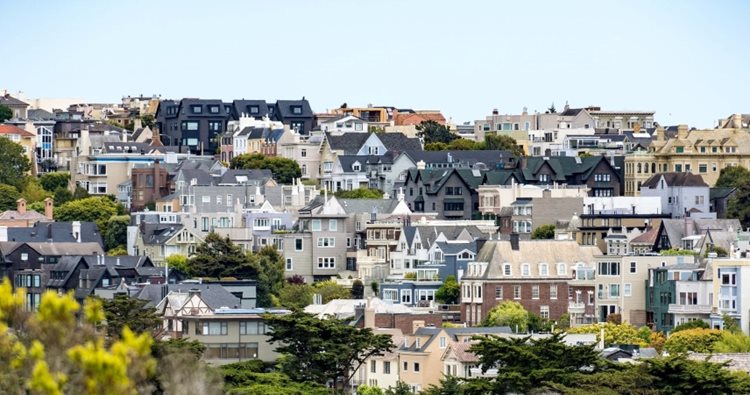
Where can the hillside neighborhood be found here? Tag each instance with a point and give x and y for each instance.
(236, 226)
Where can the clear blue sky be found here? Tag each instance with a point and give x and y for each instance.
(686, 60)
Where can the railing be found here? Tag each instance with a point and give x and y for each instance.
(689, 308)
(576, 308)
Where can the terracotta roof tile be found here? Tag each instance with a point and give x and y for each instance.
(11, 129)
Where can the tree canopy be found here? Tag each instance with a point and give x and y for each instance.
(97, 209)
(330, 290)
(6, 113)
(433, 132)
(733, 177)
(544, 232)
(449, 292)
(509, 313)
(122, 311)
(116, 234)
(494, 141)
(14, 164)
(323, 350)
(8, 197)
(360, 193)
(284, 170)
(54, 180)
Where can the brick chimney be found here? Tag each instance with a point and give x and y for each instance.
(514, 241)
(682, 132)
(21, 206)
(49, 205)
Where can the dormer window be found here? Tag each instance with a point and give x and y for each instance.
(254, 109)
(525, 270)
(196, 109)
(213, 109)
(544, 178)
(507, 270)
(356, 166)
(297, 110)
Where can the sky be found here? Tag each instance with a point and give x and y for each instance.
(687, 60)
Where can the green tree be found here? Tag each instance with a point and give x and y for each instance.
(374, 287)
(544, 232)
(437, 146)
(675, 251)
(94, 209)
(623, 333)
(358, 289)
(270, 268)
(733, 177)
(218, 256)
(691, 325)
(5, 113)
(677, 374)
(33, 191)
(730, 324)
(401, 388)
(54, 180)
(178, 263)
(330, 290)
(241, 381)
(295, 296)
(493, 141)
(122, 311)
(509, 313)
(284, 170)
(116, 233)
(147, 120)
(433, 132)
(319, 350)
(8, 197)
(462, 144)
(732, 342)
(62, 196)
(449, 385)
(696, 340)
(80, 193)
(525, 364)
(14, 164)
(164, 348)
(449, 292)
(360, 193)
(368, 390)
(118, 251)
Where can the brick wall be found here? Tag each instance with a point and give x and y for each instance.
(405, 322)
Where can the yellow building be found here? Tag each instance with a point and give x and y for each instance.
(25, 139)
(703, 152)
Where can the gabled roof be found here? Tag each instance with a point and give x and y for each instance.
(6, 129)
(398, 142)
(358, 206)
(350, 143)
(238, 176)
(28, 215)
(158, 233)
(58, 232)
(214, 295)
(9, 100)
(720, 192)
(462, 353)
(54, 249)
(284, 109)
(673, 179)
(456, 248)
(491, 158)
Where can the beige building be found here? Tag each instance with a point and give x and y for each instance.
(620, 284)
(703, 152)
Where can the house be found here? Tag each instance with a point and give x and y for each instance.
(104, 276)
(21, 217)
(266, 225)
(193, 123)
(160, 240)
(603, 176)
(24, 138)
(450, 193)
(344, 124)
(217, 293)
(719, 200)
(529, 213)
(535, 273)
(677, 294)
(305, 150)
(682, 194)
(18, 107)
(24, 263)
(699, 235)
(230, 334)
(729, 288)
(621, 285)
(501, 189)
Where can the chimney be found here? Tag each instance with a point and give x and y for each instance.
(682, 131)
(3, 233)
(421, 165)
(49, 205)
(76, 228)
(514, 241)
(481, 242)
(193, 292)
(495, 111)
(416, 324)
(659, 133)
(369, 315)
(21, 205)
(737, 121)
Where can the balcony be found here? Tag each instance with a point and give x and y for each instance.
(689, 309)
(576, 308)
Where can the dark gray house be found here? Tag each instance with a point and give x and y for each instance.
(451, 193)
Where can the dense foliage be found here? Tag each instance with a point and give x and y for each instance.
(6, 113)
(122, 311)
(544, 232)
(14, 164)
(360, 193)
(323, 350)
(449, 292)
(509, 313)
(432, 132)
(284, 170)
(8, 197)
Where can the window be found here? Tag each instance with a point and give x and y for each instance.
(609, 268)
(332, 225)
(386, 367)
(406, 296)
(296, 110)
(252, 328)
(453, 206)
(390, 295)
(633, 267)
(498, 292)
(544, 312)
(678, 168)
(699, 200)
(627, 289)
(525, 269)
(544, 178)
(703, 168)
(453, 191)
(215, 126)
(614, 290)
(316, 225)
(406, 366)
(506, 269)
(543, 270)
(196, 109)
(211, 328)
(553, 291)
(298, 244)
(561, 270)
(254, 109)
(326, 242)
(373, 366)
(416, 366)
(534, 292)
(728, 279)
(443, 342)
(516, 292)
(261, 222)
(289, 264)
(326, 263)
(24, 256)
